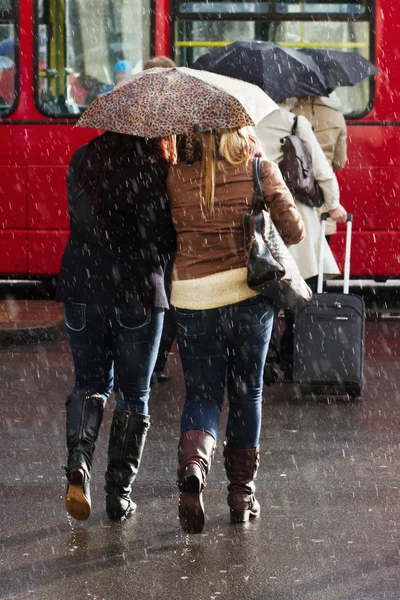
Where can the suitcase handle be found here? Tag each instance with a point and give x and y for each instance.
(346, 283)
(325, 216)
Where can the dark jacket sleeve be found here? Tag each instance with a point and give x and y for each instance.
(156, 227)
(74, 190)
(162, 232)
(280, 203)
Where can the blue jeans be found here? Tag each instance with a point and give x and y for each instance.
(227, 344)
(115, 347)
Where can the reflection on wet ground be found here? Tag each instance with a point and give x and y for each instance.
(328, 484)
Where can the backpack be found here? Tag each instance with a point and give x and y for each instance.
(297, 170)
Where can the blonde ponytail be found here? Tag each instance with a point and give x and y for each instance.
(208, 171)
(233, 145)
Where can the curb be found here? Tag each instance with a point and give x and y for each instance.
(32, 335)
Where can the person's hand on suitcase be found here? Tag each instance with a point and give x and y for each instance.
(338, 214)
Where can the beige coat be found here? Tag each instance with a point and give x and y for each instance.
(270, 132)
(331, 132)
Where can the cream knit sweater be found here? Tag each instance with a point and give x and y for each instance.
(213, 291)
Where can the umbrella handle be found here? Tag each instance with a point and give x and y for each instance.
(189, 149)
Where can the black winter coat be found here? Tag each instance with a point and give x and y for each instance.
(116, 251)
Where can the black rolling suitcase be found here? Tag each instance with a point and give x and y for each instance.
(329, 336)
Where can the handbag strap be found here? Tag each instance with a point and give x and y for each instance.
(258, 196)
(294, 127)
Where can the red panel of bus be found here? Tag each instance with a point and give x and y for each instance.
(41, 97)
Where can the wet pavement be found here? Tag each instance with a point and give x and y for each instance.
(328, 485)
(30, 320)
(29, 313)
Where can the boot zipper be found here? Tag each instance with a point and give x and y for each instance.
(83, 415)
(123, 447)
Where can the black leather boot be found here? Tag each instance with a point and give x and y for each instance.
(84, 416)
(195, 452)
(127, 439)
(241, 468)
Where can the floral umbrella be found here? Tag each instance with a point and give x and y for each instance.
(160, 102)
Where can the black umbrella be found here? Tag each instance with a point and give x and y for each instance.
(281, 72)
(341, 68)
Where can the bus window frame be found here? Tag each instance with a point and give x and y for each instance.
(271, 15)
(368, 17)
(67, 118)
(7, 17)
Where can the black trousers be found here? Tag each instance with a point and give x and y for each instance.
(170, 325)
(281, 351)
(167, 338)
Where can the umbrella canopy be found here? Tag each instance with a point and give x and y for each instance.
(6, 63)
(341, 68)
(7, 47)
(281, 72)
(160, 102)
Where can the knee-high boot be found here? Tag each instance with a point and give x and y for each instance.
(195, 452)
(241, 468)
(84, 416)
(127, 439)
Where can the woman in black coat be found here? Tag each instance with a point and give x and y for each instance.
(112, 284)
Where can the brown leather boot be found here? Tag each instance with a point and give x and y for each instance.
(195, 451)
(241, 468)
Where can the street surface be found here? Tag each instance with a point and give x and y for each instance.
(328, 486)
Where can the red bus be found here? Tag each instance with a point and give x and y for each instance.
(57, 55)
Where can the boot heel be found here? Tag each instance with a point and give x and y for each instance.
(76, 502)
(191, 479)
(76, 477)
(240, 515)
(191, 512)
(191, 508)
(195, 452)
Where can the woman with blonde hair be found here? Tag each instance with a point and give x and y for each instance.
(223, 327)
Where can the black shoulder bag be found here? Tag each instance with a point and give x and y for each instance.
(267, 254)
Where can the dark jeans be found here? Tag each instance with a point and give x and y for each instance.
(114, 347)
(227, 344)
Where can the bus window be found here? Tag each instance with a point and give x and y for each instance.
(282, 22)
(349, 36)
(280, 6)
(8, 92)
(255, 7)
(354, 7)
(84, 47)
